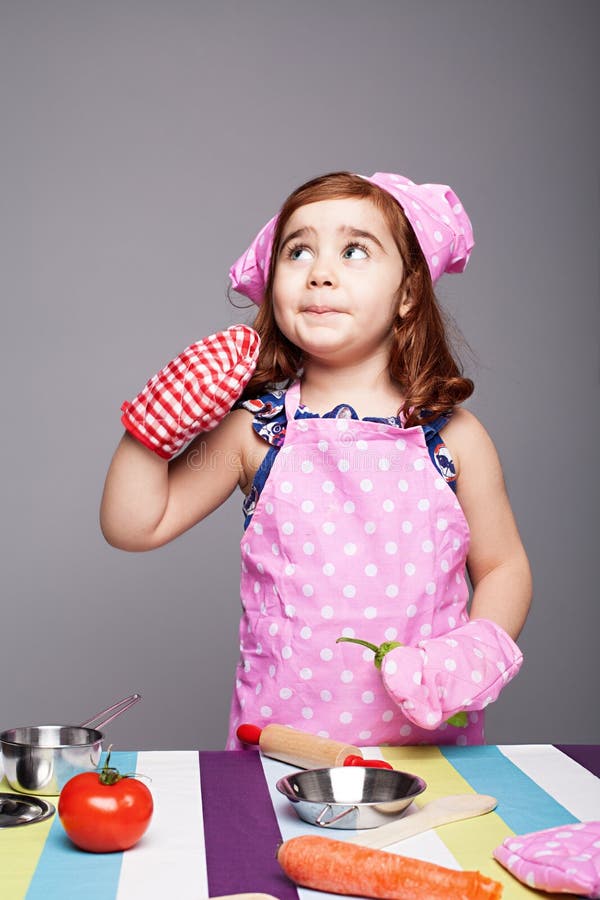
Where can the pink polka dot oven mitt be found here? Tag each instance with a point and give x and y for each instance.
(563, 860)
(194, 392)
(463, 670)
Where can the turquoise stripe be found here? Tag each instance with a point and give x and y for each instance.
(66, 873)
(522, 804)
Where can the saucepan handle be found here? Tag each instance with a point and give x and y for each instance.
(320, 820)
(104, 717)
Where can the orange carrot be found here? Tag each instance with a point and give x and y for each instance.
(340, 868)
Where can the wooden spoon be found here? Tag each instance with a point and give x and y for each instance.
(452, 808)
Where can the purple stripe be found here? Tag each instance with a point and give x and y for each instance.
(241, 833)
(587, 755)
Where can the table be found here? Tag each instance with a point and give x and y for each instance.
(218, 820)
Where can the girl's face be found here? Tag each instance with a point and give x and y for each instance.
(336, 288)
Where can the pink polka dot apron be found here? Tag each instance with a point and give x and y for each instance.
(355, 533)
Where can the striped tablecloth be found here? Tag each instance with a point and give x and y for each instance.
(218, 820)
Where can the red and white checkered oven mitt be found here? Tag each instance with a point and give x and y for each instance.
(440, 677)
(193, 392)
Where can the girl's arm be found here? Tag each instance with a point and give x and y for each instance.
(148, 501)
(477, 659)
(497, 563)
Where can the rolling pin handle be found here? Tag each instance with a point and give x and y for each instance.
(354, 760)
(249, 734)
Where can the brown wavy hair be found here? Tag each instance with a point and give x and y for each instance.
(421, 361)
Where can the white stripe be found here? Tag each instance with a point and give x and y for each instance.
(427, 846)
(569, 783)
(169, 861)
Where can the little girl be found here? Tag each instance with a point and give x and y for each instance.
(369, 491)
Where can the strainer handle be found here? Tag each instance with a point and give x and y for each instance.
(116, 709)
(320, 818)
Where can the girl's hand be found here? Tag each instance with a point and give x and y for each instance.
(194, 392)
(440, 677)
(459, 719)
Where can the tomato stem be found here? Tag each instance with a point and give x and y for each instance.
(108, 773)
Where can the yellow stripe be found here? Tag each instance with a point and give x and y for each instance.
(20, 850)
(472, 841)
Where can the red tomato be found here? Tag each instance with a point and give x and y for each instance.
(102, 817)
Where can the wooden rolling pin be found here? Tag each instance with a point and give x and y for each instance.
(307, 751)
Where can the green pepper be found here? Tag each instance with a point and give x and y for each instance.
(379, 651)
(459, 719)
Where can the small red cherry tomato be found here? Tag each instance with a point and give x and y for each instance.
(105, 811)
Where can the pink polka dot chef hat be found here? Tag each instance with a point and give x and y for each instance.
(438, 219)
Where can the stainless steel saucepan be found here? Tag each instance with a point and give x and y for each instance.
(345, 797)
(40, 759)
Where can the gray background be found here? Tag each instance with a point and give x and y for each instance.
(144, 144)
